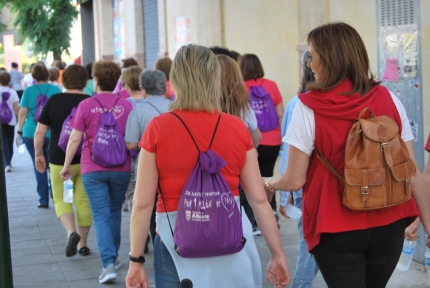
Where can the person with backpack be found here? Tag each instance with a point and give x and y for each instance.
(165, 64)
(192, 154)
(153, 85)
(306, 267)
(55, 112)
(355, 200)
(235, 101)
(8, 111)
(266, 101)
(105, 161)
(32, 103)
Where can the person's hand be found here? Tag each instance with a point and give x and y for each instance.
(136, 276)
(283, 211)
(40, 163)
(65, 173)
(411, 232)
(278, 272)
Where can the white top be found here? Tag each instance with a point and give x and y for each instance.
(12, 99)
(28, 79)
(301, 131)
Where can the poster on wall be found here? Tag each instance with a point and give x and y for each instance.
(118, 30)
(410, 55)
(183, 32)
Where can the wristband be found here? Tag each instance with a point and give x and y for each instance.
(268, 185)
(19, 132)
(141, 259)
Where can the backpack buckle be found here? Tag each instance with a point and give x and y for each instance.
(365, 190)
(382, 145)
(408, 183)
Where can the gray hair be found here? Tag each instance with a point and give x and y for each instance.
(153, 81)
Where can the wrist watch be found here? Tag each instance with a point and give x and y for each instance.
(19, 132)
(141, 259)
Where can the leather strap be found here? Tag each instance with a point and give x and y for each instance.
(385, 145)
(329, 166)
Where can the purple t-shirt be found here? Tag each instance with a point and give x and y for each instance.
(87, 119)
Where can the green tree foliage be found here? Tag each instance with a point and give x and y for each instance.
(46, 23)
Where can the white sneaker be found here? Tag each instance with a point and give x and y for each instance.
(256, 231)
(108, 274)
(117, 264)
(8, 168)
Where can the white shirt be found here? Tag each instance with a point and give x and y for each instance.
(301, 131)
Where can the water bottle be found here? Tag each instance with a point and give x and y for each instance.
(68, 191)
(20, 140)
(293, 212)
(406, 256)
(427, 256)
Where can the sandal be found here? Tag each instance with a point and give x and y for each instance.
(72, 245)
(84, 251)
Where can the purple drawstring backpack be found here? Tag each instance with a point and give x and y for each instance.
(5, 111)
(40, 102)
(66, 130)
(108, 148)
(264, 109)
(209, 222)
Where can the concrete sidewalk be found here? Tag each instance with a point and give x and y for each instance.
(38, 243)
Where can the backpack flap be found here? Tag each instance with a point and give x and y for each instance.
(370, 127)
(360, 184)
(6, 113)
(402, 173)
(258, 91)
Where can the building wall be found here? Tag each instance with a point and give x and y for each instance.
(271, 33)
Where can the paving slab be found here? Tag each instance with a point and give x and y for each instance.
(38, 242)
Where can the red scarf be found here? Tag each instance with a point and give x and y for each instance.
(323, 210)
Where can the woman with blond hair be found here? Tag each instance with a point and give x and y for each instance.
(168, 156)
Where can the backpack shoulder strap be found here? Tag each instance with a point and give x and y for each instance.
(330, 167)
(157, 109)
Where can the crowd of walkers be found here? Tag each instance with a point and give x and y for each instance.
(130, 138)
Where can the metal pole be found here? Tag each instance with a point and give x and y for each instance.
(6, 277)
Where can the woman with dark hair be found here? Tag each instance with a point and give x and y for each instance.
(165, 64)
(55, 111)
(105, 186)
(270, 144)
(27, 125)
(89, 88)
(8, 128)
(351, 247)
(167, 158)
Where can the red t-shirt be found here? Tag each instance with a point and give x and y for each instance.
(177, 155)
(272, 137)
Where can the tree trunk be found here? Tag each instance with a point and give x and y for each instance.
(57, 55)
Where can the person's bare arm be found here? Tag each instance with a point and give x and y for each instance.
(294, 176)
(22, 115)
(131, 145)
(250, 180)
(420, 192)
(143, 203)
(16, 108)
(280, 110)
(39, 139)
(256, 137)
(74, 141)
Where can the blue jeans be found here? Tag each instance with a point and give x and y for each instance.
(43, 186)
(306, 267)
(165, 273)
(106, 193)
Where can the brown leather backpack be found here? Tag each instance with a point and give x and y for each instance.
(378, 168)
